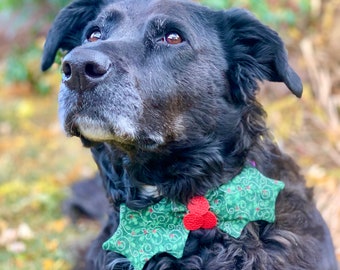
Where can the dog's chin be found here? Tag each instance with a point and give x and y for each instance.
(86, 142)
(92, 133)
(89, 139)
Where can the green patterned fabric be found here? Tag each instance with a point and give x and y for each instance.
(141, 234)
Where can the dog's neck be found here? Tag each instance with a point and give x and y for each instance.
(179, 173)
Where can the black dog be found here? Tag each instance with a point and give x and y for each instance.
(163, 92)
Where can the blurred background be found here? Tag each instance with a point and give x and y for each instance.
(38, 164)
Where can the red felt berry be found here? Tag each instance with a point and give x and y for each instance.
(192, 221)
(198, 205)
(209, 220)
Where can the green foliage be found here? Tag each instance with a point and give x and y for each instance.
(23, 66)
(274, 13)
(18, 4)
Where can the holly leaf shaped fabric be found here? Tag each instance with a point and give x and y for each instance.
(144, 233)
(165, 226)
(250, 196)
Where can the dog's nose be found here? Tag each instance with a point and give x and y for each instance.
(84, 68)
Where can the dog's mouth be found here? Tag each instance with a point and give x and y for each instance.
(92, 132)
(74, 131)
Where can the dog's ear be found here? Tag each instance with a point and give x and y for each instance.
(67, 28)
(254, 53)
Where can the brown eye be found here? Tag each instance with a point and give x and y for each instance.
(94, 36)
(172, 38)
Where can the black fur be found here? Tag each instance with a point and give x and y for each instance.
(183, 118)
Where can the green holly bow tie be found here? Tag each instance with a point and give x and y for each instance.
(165, 226)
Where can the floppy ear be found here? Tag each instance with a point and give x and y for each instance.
(67, 28)
(254, 53)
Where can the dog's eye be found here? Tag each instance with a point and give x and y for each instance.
(94, 36)
(172, 38)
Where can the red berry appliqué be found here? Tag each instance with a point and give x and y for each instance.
(199, 215)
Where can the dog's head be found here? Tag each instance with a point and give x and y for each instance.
(145, 73)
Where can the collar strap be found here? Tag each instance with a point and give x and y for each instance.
(165, 226)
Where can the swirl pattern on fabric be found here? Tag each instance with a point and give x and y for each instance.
(141, 234)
